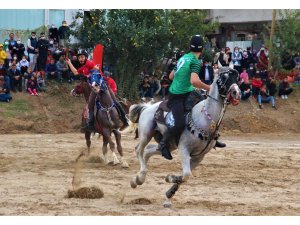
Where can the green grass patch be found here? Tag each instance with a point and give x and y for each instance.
(14, 108)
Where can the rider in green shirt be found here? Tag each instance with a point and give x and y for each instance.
(185, 78)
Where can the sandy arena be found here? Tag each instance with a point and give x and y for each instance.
(254, 175)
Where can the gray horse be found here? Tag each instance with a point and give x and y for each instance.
(197, 139)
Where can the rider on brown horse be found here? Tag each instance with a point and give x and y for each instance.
(86, 67)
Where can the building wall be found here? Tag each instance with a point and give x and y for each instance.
(23, 21)
(241, 15)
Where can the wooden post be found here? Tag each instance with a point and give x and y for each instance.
(271, 39)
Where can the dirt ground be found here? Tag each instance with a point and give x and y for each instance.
(254, 175)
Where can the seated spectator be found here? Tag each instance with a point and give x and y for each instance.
(32, 86)
(165, 84)
(265, 97)
(284, 89)
(62, 69)
(41, 84)
(15, 78)
(49, 57)
(271, 85)
(146, 89)
(4, 90)
(244, 76)
(256, 84)
(27, 77)
(264, 76)
(23, 65)
(51, 70)
(206, 73)
(245, 89)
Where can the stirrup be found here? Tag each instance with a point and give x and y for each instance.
(165, 152)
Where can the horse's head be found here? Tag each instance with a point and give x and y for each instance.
(227, 81)
(97, 83)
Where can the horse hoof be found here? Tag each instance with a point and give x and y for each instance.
(125, 165)
(116, 162)
(133, 183)
(167, 204)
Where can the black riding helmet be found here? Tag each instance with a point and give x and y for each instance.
(196, 44)
(82, 52)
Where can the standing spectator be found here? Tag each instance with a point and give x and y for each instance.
(228, 56)
(265, 97)
(245, 63)
(62, 68)
(23, 65)
(20, 49)
(2, 54)
(244, 76)
(15, 78)
(53, 33)
(236, 59)
(8, 55)
(215, 69)
(256, 85)
(245, 89)
(172, 65)
(51, 70)
(206, 73)
(284, 89)
(32, 86)
(4, 90)
(63, 33)
(42, 47)
(221, 57)
(254, 56)
(251, 71)
(32, 50)
(263, 61)
(12, 44)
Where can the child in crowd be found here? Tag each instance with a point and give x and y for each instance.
(244, 76)
(41, 84)
(32, 86)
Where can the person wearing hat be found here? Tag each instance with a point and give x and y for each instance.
(185, 78)
(86, 69)
(2, 54)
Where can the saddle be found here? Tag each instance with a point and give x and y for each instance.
(164, 115)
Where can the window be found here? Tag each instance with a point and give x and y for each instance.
(21, 19)
(56, 17)
(241, 37)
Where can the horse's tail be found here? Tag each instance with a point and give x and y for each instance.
(134, 115)
(135, 112)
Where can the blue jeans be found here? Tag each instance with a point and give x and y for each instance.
(268, 99)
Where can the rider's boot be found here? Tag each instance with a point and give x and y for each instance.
(220, 144)
(164, 145)
(122, 115)
(89, 126)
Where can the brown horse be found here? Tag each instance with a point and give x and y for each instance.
(106, 122)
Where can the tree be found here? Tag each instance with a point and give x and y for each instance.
(286, 40)
(134, 37)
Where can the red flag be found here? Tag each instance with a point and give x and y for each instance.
(98, 55)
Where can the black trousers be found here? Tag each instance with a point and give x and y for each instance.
(285, 92)
(176, 104)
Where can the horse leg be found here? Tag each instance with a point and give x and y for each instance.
(88, 140)
(178, 180)
(107, 134)
(120, 149)
(139, 179)
(104, 150)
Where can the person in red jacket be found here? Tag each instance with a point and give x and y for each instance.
(256, 84)
(87, 68)
(113, 86)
